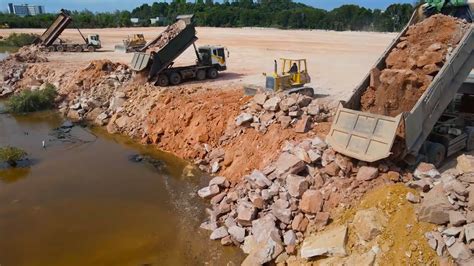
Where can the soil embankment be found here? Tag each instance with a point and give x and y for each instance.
(412, 65)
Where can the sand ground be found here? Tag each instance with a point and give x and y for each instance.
(337, 61)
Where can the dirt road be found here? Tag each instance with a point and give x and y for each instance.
(337, 61)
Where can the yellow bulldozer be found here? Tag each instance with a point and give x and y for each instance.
(131, 44)
(292, 78)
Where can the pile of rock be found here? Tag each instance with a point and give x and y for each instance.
(288, 110)
(448, 201)
(167, 35)
(12, 74)
(29, 54)
(100, 102)
(268, 212)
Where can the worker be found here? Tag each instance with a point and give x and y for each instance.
(455, 8)
(294, 68)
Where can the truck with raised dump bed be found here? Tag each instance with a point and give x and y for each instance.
(158, 55)
(439, 124)
(50, 38)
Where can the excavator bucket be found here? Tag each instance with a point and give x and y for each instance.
(364, 136)
(140, 61)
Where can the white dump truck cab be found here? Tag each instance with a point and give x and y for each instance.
(94, 40)
(211, 55)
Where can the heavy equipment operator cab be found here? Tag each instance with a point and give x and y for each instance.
(94, 40)
(210, 55)
(293, 75)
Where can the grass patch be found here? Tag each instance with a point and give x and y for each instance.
(32, 101)
(12, 155)
(18, 39)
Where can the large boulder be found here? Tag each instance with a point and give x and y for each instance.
(311, 202)
(331, 242)
(465, 163)
(369, 223)
(435, 206)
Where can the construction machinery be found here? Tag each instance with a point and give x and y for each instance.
(292, 78)
(131, 44)
(50, 38)
(158, 55)
(430, 131)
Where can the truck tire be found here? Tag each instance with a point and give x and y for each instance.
(201, 74)
(51, 49)
(78, 49)
(162, 80)
(91, 48)
(212, 73)
(60, 48)
(175, 78)
(435, 153)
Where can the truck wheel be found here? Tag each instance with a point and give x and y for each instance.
(201, 74)
(91, 49)
(175, 78)
(51, 49)
(162, 80)
(78, 49)
(212, 73)
(60, 48)
(435, 153)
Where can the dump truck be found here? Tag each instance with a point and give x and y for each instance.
(436, 127)
(50, 38)
(158, 55)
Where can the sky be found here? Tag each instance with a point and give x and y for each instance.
(111, 5)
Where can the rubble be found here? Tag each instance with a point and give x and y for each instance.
(412, 65)
(447, 204)
(288, 110)
(331, 242)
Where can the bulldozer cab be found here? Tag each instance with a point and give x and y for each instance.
(294, 74)
(296, 69)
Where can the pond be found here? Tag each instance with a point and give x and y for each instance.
(87, 199)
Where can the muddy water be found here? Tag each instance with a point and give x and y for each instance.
(84, 202)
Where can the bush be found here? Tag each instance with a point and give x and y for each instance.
(19, 39)
(31, 101)
(11, 155)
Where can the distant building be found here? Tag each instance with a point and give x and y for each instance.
(157, 20)
(25, 9)
(134, 20)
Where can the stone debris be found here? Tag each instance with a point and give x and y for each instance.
(270, 210)
(288, 110)
(328, 243)
(369, 223)
(447, 204)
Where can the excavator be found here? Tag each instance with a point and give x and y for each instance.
(438, 125)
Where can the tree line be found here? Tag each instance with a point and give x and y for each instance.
(284, 14)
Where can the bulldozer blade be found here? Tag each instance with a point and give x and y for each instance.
(120, 48)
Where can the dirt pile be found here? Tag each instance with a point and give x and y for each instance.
(412, 65)
(14, 66)
(29, 54)
(167, 35)
(447, 200)
(211, 133)
(299, 190)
